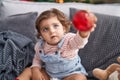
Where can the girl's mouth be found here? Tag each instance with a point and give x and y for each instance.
(53, 37)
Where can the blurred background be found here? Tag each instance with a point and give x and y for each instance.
(83, 1)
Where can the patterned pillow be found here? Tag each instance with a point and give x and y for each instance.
(20, 23)
(1, 9)
(103, 45)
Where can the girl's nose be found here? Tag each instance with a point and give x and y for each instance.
(52, 30)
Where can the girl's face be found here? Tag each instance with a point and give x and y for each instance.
(52, 30)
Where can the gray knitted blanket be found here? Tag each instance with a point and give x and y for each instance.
(104, 44)
(16, 53)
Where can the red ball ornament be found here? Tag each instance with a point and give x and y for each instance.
(83, 20)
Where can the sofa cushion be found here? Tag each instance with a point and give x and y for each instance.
(103, 46)
(1, 9)
(21, 23)
(17, 7)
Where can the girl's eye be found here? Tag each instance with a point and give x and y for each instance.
(55, 26)
(45, 29)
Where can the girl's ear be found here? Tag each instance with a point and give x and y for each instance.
(64, 29)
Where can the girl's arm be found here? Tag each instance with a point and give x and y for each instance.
(36, 60)
(36, 65)
(85, 34)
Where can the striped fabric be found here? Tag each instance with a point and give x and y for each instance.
(16, 53)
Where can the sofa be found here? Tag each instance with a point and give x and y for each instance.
(18, 35)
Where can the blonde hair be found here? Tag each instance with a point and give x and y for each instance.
(51, 13)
